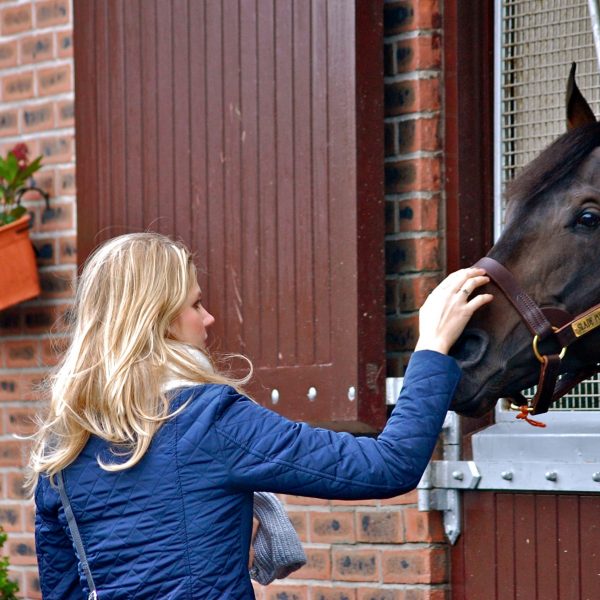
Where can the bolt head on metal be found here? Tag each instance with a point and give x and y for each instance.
(596, 476)
(275, 396)
(551, 475)
(506, 475)
(458, 475)
(312, 393)
(352, 393)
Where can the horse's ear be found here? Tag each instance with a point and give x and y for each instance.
(578, 110)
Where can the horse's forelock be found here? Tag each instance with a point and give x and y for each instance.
(556, 165)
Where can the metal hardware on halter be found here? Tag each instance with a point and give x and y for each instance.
(539, 356)
(566, 331)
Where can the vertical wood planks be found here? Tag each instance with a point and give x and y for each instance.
(234, 125)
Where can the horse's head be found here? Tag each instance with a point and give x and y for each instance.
(551, 244)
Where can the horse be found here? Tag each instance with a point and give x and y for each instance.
(551, 246)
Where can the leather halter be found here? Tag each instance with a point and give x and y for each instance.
(545, 324)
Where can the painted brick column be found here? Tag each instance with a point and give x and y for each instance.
(36, 107)
(388, 550)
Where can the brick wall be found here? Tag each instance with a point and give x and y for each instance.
(36, 106)
(388, 550)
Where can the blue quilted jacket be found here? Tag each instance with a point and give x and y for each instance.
(178, 525)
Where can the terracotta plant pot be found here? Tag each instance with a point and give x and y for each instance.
(19, 279)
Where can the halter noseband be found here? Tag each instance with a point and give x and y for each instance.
(545, 323)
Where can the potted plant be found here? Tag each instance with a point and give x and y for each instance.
(18, 270)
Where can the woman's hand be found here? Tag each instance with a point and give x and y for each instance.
(448, 309)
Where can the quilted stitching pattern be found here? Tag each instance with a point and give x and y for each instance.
(177, 526)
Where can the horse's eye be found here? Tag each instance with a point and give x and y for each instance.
(588, 219)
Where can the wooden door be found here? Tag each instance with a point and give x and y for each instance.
(253, 130)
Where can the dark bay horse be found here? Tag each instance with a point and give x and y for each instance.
(551, 245)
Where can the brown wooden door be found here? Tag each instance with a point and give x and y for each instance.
(528, 546)
(252, 129)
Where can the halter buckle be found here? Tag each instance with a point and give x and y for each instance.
(536, 338)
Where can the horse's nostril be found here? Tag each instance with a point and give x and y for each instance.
(470, 347)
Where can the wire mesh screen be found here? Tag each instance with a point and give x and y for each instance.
(540, 39)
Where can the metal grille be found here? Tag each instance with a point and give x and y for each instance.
(538, 41)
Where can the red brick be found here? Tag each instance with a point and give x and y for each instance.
(9, 387)
(38, 117)
(423, 526)
(46, 253)
(419, 134)
(16, 19)
(36, 48)
(65, 113)
(419, 214)
(382, 527)
(53, 349)
(423, 52)
(318, 564)
(20, 420)
(54, 80)
(18, 576)
(11, 453)
(9, 122)
(57, 149)
(349, 503)
(11, 517)
(281, 591)
(425, 565)
(52, 12)
(299, 520)
(11, 321)
(410, 15)
(402, 333)
(59, 217)
(412, 254)
(380, 594)
(355, 565)
(412, 96)
(411, 497)
(67, 250)
(66, 184)
(41, 319)
(29, 385)
(413, 291)
(8, 54)
(32, 585)
(29, 517)
(64, 44)
(332, 527)
(14, 487)
(333, 593)
(57, 283)
(21, 549)
(303, 501)
(21, 353)
(17, 87)
(418, 174)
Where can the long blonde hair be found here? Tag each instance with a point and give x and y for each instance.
(109, 381)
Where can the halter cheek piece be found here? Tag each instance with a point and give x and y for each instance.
(544, 324)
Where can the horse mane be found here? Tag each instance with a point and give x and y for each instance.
(556, 164)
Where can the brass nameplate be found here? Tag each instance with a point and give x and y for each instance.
(587, 323)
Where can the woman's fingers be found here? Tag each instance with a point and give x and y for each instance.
(449, 307)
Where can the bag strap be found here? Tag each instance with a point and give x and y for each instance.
(76, 535)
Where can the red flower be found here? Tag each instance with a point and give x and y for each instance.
(20, 152)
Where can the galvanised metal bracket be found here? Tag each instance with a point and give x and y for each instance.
(432, 495)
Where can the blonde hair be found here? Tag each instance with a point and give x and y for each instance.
(109, 381)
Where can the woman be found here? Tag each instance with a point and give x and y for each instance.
(161, 482)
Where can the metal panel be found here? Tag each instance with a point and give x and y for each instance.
(252, 130)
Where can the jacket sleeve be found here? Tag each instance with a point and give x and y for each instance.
(264, 451)
(57, 562)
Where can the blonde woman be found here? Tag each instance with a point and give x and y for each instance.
(160, 483)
